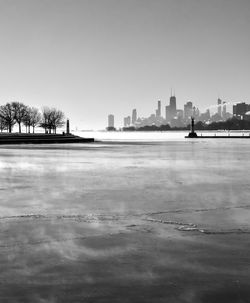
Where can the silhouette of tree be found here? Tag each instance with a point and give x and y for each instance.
(57, 119)
(3, 124)
(45, 121)
(20, 111)
(35, 118)
(32, 118)
(8, 116)
(52, 118)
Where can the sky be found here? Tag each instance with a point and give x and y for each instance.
(91, 58)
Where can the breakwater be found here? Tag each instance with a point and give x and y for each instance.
(17, 138)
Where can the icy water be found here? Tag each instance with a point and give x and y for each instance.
(148, 217)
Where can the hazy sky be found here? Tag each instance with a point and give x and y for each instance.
(95, 57)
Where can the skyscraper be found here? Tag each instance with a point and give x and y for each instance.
(158, 111)
(224, 111)
(188, 110)
(219, 107)
(172, 106)
(167, 114)
(134, 116)
(111, 121)
(127, 121)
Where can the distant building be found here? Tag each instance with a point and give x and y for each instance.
(224, 111)
(170, 110)
(134, 116)
(240, 109)
(172, 106)
(111, 121)
(188, 110)
(219, 107)
(215, 118)
(179, 113)
(205, 117)
(127, 121)
(168, 114)
(158, 111)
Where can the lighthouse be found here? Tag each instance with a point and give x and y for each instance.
(192, 134)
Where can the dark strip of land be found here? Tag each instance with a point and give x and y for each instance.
(16, 138)
(220, 137)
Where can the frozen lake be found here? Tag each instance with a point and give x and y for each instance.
(138, 217)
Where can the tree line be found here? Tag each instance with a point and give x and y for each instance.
(18, 113)
(230, 124)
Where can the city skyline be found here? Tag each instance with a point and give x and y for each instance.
(91, 58)
(165, 112)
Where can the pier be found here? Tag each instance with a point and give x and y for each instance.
(193, 134)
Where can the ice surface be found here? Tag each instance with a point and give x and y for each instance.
(147, 218)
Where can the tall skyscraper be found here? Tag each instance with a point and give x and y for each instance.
(188, 110)
(134, 116)
(125, 123)
(172, 106)
(168, 114)
(224, 111)
(111, 121)
(158, 111)
(219, 107)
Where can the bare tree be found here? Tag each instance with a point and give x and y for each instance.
(46, 119)
(8, 116)
(3, 124)
(52, 118)
(27, 119)
(32, 118)
(20, 111)
(35, 118)
(57, 119)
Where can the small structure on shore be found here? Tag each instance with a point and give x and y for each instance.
(67, 127)
(192, 134)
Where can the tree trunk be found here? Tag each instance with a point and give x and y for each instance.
(10, 128)
(29, 129)
(19, 124)
(33, 129)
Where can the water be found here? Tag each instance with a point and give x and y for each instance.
(162, 204)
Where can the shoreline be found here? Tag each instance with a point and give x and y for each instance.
(38, 138)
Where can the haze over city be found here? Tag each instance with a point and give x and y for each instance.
(91, 58)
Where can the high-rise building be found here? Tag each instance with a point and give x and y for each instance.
(134, 116)
(224, 110)
(168, 114)
(219, 107)
(172, 106)
(127, 121)
(240, 109)
(158, 111)
(111, 121)
(188, 110)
